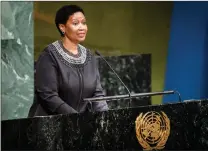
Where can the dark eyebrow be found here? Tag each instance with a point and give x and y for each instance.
(77, 19)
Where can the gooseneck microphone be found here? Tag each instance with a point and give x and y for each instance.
(130, 96)
(97, 53)
(110, 98)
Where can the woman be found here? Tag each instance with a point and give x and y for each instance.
(67, 72)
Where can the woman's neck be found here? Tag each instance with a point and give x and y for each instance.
(70, 46)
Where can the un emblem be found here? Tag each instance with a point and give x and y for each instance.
(152, 130)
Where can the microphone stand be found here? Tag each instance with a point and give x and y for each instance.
(111, 98)
(130, 95)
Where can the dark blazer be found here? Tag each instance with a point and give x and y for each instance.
(61, 83)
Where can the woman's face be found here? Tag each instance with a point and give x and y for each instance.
(75, 28)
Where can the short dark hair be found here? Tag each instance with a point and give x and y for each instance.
(62, 15)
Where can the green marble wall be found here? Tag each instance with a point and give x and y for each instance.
(17, 59)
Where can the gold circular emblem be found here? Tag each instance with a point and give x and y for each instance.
(152, 130)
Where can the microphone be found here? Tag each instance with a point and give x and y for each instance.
(97, 53)
(108, 98)
(130, 96)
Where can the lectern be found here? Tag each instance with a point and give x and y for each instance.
(178, 126)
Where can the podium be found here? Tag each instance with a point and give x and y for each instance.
(178, 126)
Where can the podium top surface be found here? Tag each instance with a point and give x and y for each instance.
(167, 106)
